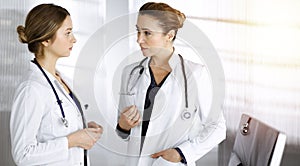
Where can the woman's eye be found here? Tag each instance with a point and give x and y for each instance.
(147, 33)
(68, 33)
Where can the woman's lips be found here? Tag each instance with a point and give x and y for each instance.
(143, 49)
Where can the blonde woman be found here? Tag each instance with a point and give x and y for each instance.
(166, 124)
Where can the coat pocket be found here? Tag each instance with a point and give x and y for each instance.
(163, 162)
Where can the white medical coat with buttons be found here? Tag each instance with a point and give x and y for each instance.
(195, 136)
(38, 136)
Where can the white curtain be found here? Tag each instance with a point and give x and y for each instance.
(258, 44)
(12, 65)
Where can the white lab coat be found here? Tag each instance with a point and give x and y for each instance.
(167, 129)
(38, 136)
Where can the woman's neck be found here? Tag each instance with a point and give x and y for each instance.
(163, 58)
(48, 64)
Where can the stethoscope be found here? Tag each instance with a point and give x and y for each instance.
(131, 82)
(63, 118)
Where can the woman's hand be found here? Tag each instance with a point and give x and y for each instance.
(170, 155)
(129, 118)
(85, 138)
(93, 124)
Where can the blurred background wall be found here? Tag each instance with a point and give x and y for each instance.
(257, 41)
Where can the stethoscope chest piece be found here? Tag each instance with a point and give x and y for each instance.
(185, 115)
(65, 122)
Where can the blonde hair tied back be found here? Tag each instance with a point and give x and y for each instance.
(181, 18)
(22, 35)
(169, 18)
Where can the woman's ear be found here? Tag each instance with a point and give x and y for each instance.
(171, 35)
(46, 43)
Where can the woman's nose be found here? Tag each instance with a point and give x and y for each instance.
(140, 38)
(74, 39)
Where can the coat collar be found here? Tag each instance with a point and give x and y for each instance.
(34, 68)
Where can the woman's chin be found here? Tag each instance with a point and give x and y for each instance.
(147, 53)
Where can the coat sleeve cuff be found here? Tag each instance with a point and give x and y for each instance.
(124, 134)
(183, 160)
(185, 149)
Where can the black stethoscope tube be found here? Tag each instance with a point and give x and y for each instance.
(185, 82)
(142, 70)
(64, 120)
